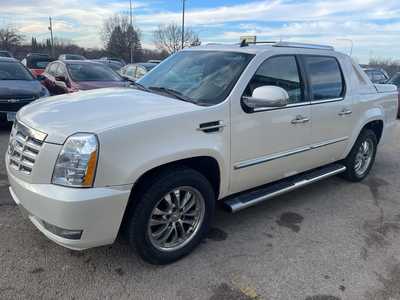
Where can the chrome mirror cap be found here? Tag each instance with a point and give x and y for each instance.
(267, 97)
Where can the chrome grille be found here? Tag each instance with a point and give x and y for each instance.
(24, 147)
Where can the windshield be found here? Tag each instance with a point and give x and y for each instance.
(205, 77)
(14, 71)
(395, 80)
(38, 62)
(5, 54)
(115, 66)
(92, 72)
(149, 67)
(74, 57)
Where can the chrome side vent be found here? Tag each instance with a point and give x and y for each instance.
(210, 127)
(24, 147)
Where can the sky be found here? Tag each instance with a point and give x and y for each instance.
(372, 26)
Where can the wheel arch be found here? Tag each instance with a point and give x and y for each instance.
(208, 166)
(373, 120)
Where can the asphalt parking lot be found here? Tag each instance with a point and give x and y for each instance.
(329, 241)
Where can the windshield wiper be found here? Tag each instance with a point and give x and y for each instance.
(171, 92)
(136, 84)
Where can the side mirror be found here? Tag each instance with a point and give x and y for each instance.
(267, 96)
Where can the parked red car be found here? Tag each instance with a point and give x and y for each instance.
(61, 77)
(36, 62)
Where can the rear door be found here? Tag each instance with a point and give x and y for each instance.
(331, 108)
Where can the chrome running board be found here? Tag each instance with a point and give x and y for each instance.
(255, 196)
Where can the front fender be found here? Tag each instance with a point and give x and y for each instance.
(180, 156)
(126, 153)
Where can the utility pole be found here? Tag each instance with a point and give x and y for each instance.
(131, 38)
(183, 23)
(51, 35)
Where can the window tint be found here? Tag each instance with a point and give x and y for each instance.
(38, 62)
(325, 77)
(395, 80)
(10, 70)
(92, 72)
(379, 76)
(206, 77)
(279, 71)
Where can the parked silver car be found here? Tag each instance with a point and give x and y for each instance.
(137, 71)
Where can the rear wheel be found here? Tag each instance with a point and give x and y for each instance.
(362, 156)
(172, 217)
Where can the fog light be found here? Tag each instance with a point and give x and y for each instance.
(62, 232)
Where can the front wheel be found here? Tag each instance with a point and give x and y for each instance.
(361, 157)
(172, 216)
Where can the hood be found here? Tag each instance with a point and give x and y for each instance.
(20, 89)
(97, 110)
(90, 85)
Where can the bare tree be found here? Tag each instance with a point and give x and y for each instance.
(10, 38)
(118, 35)
(168, 38)
(389, 65)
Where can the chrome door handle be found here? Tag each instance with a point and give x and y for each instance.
(300, 120)
(345, 112)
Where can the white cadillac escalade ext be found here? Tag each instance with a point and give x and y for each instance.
(238, 123)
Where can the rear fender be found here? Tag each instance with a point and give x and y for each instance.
(372, 114)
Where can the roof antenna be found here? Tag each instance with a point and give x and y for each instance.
(244, 43)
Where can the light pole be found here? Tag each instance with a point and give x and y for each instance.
(131, 38)
(183, 23)
(51, 35)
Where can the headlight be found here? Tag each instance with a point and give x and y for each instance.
(76, 164)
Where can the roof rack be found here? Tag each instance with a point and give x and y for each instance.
(303, 45)
(244, 43)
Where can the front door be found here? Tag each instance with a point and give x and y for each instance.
(271, 144)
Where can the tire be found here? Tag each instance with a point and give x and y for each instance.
(354, 172)
(160, 193)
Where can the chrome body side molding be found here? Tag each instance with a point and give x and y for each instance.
(264, 159)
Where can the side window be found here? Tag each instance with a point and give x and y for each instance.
(325, 76)
(379, 76)
(396, 81)
(279, 71)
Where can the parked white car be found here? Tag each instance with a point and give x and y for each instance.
(238, 123)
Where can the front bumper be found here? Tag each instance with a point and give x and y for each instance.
(98, 212)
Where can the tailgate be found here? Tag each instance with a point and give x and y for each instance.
(385, 88)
